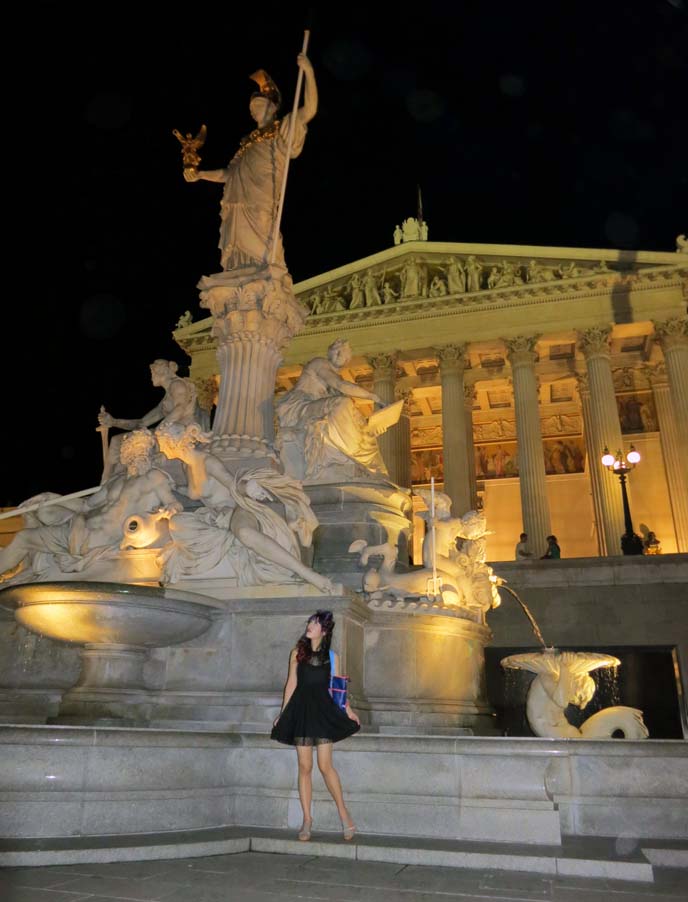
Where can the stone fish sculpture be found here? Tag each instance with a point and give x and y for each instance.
(563, 679)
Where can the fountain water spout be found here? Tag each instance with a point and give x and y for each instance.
(500, 582)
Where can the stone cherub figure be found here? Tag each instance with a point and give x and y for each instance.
(253, 177)
(321, 429)
(563, 679)
(464, 579)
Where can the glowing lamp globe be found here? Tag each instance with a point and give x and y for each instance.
(608, 459)
(633, 456)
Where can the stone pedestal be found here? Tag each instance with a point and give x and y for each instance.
(425, 674)
(377, 511)
(255, 315)
(110, 689)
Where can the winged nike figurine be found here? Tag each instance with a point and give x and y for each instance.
(191, 146)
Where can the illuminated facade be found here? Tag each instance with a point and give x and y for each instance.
(518, 365)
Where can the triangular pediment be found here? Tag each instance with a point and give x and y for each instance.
(433, 273)
(462, 280)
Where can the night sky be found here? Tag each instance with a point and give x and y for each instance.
(550, 124)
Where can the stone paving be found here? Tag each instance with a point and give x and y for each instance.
(261, 877)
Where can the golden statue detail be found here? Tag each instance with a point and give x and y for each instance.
(191, 146)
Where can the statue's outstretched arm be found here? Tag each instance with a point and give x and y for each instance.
(206, 175)
(350, 389)
(310, 94)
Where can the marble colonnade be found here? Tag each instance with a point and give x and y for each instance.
(669, 381)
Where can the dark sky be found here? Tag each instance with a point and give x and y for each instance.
(532, 123)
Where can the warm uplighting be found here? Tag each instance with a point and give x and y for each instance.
(631, 543)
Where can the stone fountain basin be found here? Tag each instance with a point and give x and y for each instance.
(111, 613)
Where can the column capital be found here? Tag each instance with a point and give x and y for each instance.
(384, 364)
(521, 348)
(452, 357)
(595, 342)
(672, 333)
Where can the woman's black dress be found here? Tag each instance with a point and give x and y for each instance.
(311, 717)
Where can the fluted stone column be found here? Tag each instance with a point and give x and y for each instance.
(384, 377)
(596, 473)
(671, 452)
(401, 439)
(469, 396)
(531, 459)
(602, 429)
(673, 338)
(456, 479)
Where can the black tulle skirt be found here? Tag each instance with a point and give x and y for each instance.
(311, 717)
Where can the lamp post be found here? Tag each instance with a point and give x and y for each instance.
(631, 543)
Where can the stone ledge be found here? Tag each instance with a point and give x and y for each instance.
(592, 859)
(605, 571)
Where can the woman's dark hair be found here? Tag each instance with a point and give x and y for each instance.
(303, 646)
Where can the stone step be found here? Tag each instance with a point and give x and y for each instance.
(580, 857)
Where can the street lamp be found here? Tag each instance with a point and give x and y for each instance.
(631, 543)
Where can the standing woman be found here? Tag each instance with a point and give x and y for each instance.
(310, 718)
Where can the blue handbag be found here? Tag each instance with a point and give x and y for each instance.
(338, 686)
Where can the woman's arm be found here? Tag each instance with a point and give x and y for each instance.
(290, 685)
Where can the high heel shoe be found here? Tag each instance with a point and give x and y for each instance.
(305, 831)
(349, 831)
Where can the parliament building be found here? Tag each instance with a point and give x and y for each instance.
(518, 366)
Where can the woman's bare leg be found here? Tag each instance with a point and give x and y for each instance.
(331, 778)
(305, 757)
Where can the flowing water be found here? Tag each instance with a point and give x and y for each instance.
(526, 611)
